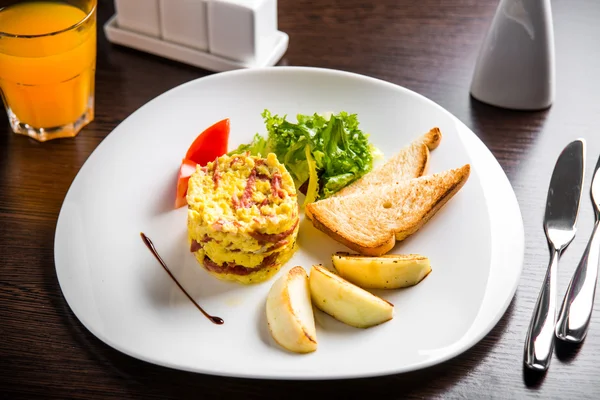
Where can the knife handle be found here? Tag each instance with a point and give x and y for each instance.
(576, 310)
(539, 343)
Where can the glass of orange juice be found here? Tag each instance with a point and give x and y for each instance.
(47, 66)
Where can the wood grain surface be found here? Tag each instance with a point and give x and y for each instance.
(429, 46)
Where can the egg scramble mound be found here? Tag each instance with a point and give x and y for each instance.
(242, 217)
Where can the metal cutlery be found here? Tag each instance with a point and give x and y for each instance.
(562, 206)
(576, 310)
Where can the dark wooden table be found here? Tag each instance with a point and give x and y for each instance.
(427, 46)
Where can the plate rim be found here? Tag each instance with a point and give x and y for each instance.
(485, 153)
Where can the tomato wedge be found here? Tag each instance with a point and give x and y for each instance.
(210, 144)
(187, 168)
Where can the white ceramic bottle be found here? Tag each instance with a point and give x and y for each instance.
(516, 67)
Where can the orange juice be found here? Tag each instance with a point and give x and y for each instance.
(47, 63)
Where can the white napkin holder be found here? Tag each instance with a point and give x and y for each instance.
(217, 35)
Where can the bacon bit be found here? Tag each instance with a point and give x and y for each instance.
(235, 202)
(264, 202)
(275, 183)
(218, 225)
(276, 186)
(269, 260)
(246, 200)
(204, 169)
(277, 245)
(258, 162)
(206, 239)
(195, 246)
(216, 174)
(272, 238)
(236, 159)
(231, 268)
(263, 177)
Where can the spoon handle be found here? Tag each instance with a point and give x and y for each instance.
(539, 343)
(576, 310)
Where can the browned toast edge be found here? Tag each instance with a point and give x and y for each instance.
(383, 246)
(432, 138)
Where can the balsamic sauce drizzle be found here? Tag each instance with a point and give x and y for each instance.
(150, 245)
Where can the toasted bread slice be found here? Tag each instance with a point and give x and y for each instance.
(410, 162)
(371, 224)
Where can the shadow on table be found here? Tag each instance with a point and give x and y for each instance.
(509, 134)
(565, 353)
(511, 125)
(160, 382)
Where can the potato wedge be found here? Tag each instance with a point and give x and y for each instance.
(347, 302)
(391, 271)
(290, 313)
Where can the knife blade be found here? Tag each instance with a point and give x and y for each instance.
(576, 310)
(564, 192)
(562, 207)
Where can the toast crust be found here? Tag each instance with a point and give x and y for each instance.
(432, 138)
(373, 224)
(373, 250)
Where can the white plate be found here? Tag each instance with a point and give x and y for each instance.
(122, 295)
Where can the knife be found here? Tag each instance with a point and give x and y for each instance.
(576, 310)
(562, 206)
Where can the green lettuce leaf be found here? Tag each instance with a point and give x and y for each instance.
(312, 191)
(258, 147)
(326, 152)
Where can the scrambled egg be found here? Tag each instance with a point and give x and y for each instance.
(260, 275)
(242, 215)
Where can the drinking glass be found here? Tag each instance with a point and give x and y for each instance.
(47, 66)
